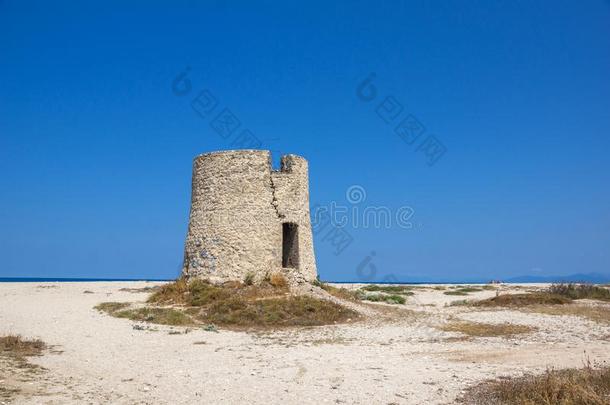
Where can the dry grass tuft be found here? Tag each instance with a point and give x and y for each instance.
(13, 364)
(146, 289)
(580, 291)
(587, 386)
(110, 307)
(278, 280)
(158, 315)
(343, 293)
(16, 346)
(521, 300)
(249, 279)
(171, 292)
(477, 329)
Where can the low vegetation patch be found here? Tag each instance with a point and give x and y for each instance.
(580, 291)
(470, 289)
(460, 303)
(521, 300)
(200, 292)
(462, 290)
(288, 311)
(343, 293)
(388, 294)
(557, 294)
(387, 298)
(455, 292)
(548, 303)
(267, 304)
(111, 307)
(16, 346)
(394, 294)
(588, 386)
(476, 329)
(159, 315)
(390, 289)
(146, 289)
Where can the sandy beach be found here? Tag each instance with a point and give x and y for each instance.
(397, 354)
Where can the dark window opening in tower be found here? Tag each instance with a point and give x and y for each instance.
(290, 245)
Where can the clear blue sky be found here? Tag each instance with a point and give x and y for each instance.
(96, 149)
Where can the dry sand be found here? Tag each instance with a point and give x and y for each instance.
(397, 355)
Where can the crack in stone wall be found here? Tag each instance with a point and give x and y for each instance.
(274, 201)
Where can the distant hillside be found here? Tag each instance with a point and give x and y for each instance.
(572, 278)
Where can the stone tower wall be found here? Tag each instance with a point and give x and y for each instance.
(238, 206)
(291, 187)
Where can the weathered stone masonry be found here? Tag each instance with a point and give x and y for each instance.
(247, 218)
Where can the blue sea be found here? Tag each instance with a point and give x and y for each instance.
(51, 279)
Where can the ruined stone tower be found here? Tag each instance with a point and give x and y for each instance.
(248, 219)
